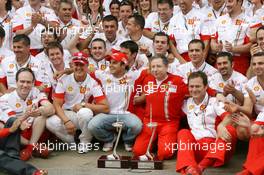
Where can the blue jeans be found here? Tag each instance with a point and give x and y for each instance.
(101, 127)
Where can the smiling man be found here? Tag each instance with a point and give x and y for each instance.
(71, 102)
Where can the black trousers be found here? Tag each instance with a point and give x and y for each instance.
(9, 154)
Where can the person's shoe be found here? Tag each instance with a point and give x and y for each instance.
(190, 170)
(40, 172)
(128, 147)
(42, 152)
(26, 154)
(82, 148)
(109, 145)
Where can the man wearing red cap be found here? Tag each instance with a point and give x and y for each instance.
(73, 111)
(118, 84)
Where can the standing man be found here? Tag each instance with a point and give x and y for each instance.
(71, 102)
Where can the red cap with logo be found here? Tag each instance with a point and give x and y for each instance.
(119, 56)
(80, 57)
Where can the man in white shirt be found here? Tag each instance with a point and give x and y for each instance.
(228, 81)
(71, 102)
(4, 52)
(118, 84)
(195, 50)
(27, 101)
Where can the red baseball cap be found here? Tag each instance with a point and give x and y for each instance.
(80, 57)
(120, 57)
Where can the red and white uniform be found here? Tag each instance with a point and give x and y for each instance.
(72, 28)
(97, 65)
(12, 105)
(144, 41)
(154, 24)
(173, 67)
(258, 91)
(9, 68)
(255, 18)
(203, 120)
(237, 79)
(165, 98)
(6, 23)
(4, 53)
(22, 20)
(73, 92)
(117, 90)
(234, 31)
(122, 31)
(185, 69)
(184, 28)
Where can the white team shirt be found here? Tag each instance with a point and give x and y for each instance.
(22, 20)
(184, 28)
(6, 24)
(144, 41)
(203, 118)
(77, 92)
(4, 53)
(117, 90)
(185, 69)
(256, 88)
(257, 18)
(154, 24)
(97, 65)
(11, 104)
(9, 68)
(237, 79)
(122, 31)
(173, 67)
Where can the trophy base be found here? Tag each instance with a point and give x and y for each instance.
(149, 165)
(122, 163)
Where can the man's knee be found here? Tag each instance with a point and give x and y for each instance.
(53, 123)
(85, 114)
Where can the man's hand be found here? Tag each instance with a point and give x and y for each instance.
(144, 49)
(15, 125)
(36, 18)
(77, 107)
(252, 96)
(223, 133)
(231, 107)
(229, 88)
(219, 46)
(70, 128)
(25, 125)
(228, 46)
(241, 120)
(57, 74)
(255, 49)
(257, 130)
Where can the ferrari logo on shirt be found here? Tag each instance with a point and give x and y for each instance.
(221, 85)
(18, 105)
(11, 66)
(28, 14)
(238, 22)
(191, 21)
(210, 15)
(122, 81)
(82, 89)
(29, 102)
(256, 88)
(108, 81)
(223, 22)
(191, 107)
(103, 67)
(202, 107)
(70, 88)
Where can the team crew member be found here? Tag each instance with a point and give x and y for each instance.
(207, 120)
(30, 20)
(228, 81)
(22, 58)
(195, 50)
(10, 147)
(27, 101)
(97, 60)
(231, 35)
(164, 94)
(71, 102)
(118, 84)
(159, 21)
(186, 25)
(4, 52)
(254, 163)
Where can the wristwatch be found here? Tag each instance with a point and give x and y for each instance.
(83, 104)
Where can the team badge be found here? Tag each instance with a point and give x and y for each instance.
(70, 88)
(29, 102)
(82, 89)
(103, 67)
(191, 21)
(256, 88)
(108, 81)
(18, 105)
(122, 81)
(223, 22)
(238, 22)
(221, 85)
(191, 107)
(11, 66)
(202, 107)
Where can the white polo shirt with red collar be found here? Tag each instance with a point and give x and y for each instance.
(204, 117)
(73, 92)
(12, 105)
(22, 20)
(97, 65)
(154, 23)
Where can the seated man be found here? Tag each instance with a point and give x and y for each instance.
(9, 149)
(27, 101)
(207, 120)
(118, 82)
(71, 102)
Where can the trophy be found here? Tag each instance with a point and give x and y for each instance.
(148, 160)
(114, 160)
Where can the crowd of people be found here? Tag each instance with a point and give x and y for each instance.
(194, 67)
